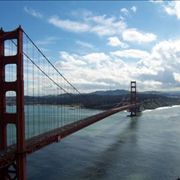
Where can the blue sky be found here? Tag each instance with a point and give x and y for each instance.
(102, 44)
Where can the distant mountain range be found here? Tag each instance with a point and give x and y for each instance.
(104, 99)
(125, 92)
(111, 92)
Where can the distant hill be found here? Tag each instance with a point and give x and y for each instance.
(125, 92)
(173, 94)
(111, 92)
(104, 99)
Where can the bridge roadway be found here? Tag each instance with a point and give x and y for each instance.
(37, 142)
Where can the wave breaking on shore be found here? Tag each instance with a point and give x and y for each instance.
(161, 108)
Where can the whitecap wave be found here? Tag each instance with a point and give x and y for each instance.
(176, 106)
(161, 108)
(164, 107)
(147, 110)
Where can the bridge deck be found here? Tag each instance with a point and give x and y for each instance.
(55, 135)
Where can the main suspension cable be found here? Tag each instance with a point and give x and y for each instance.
(43, 71)
(51, 64)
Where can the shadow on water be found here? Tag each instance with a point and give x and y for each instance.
(138, 148)
(77, 161)
(105, 159)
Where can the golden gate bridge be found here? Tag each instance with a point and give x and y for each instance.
(27, 76)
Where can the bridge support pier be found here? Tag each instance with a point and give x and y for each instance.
(133, 98)
(17, 169)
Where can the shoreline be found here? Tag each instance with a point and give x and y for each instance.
(160, 108)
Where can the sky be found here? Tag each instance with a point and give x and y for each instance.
(102, 45)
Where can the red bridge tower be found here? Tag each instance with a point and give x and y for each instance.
(17, 170)
(133, 98)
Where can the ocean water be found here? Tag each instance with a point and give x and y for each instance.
(146, 147)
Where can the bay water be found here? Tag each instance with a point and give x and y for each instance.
(146, 147)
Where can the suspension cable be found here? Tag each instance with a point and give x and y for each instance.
(51, 63)
(43, 71)
(46, 74)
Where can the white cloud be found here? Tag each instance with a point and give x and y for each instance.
(134, 8)
(163, 64)
(115, 41)
(177, 77)
(33, 12)
(104, 25)
(125, 11)
(101, 19)
(173, 8)
(156, 1)
(69, 25)
(47, 41)
(149, 85)
(133, 35)
(84, 44)
(100, 25)
(157, 69)
(169, 53)
(94, 71)
(96, 57)
(131, 53)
